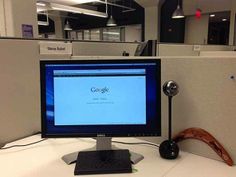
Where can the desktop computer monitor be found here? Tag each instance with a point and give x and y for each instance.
(101, 98)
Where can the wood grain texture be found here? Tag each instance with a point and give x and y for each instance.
(206, 137)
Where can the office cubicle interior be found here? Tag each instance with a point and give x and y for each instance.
(206, 98)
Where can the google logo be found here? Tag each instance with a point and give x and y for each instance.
(99, 90)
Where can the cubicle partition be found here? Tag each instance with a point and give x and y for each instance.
(189, 49)
(216, 48)
(88, 48)
(19, 93)
(103, 48)
(176, 50)
(218, 53)
(207, 97)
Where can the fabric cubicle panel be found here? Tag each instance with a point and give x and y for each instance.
(20, 89)
(176, 50)
(207, 99)
(218, 53)
(189, 50)
(216, 48)
(103, 48)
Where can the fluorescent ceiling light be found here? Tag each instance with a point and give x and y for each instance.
(84, 1)
(224, 19)
(112, 33)
(65, 8)
(42, 4)
(212, 15)
(43, 23)
(41, 9)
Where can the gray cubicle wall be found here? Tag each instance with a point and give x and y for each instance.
(218, 53)
(176, 50)
(19, 93)
(103, 48)
(217, 48)
(207, 99)
(188, 49)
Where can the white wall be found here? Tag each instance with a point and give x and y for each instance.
(208, 6)
(196, 30)
(133, 33)
(2, 19)
(59, 31)
(18, 12)
(232, 30)
(151, 23)
(189, 6)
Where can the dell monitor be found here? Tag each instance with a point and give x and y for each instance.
(100, 98)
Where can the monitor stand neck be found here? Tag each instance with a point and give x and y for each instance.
(102, 143)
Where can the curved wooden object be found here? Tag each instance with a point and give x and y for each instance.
(202, 135)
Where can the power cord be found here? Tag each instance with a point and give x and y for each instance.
(118, 142)
(137, 143)
(22, 145)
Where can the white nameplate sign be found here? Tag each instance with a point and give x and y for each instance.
(196, 47)
(55, 48)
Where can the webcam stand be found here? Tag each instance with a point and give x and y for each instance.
(169, 149)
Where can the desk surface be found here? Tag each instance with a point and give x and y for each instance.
(44, 160)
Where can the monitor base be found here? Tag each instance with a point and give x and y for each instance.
(102, 143)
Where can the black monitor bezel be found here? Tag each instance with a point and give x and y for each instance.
(99, 61)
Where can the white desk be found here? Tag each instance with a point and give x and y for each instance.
(44, 160)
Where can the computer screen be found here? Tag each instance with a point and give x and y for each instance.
(101, 98)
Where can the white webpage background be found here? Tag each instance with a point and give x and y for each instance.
(76, 104)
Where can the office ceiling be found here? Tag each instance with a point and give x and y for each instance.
(75, 2)
(64, 2)
(143, 3)
(188, 4)
(147, 3)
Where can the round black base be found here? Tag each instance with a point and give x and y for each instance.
(169, 149)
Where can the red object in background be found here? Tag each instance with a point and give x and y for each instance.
(198, 13)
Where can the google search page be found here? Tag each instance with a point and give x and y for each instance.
(100, 97)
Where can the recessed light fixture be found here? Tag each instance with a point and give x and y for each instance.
(224, 19)
(212, 15)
